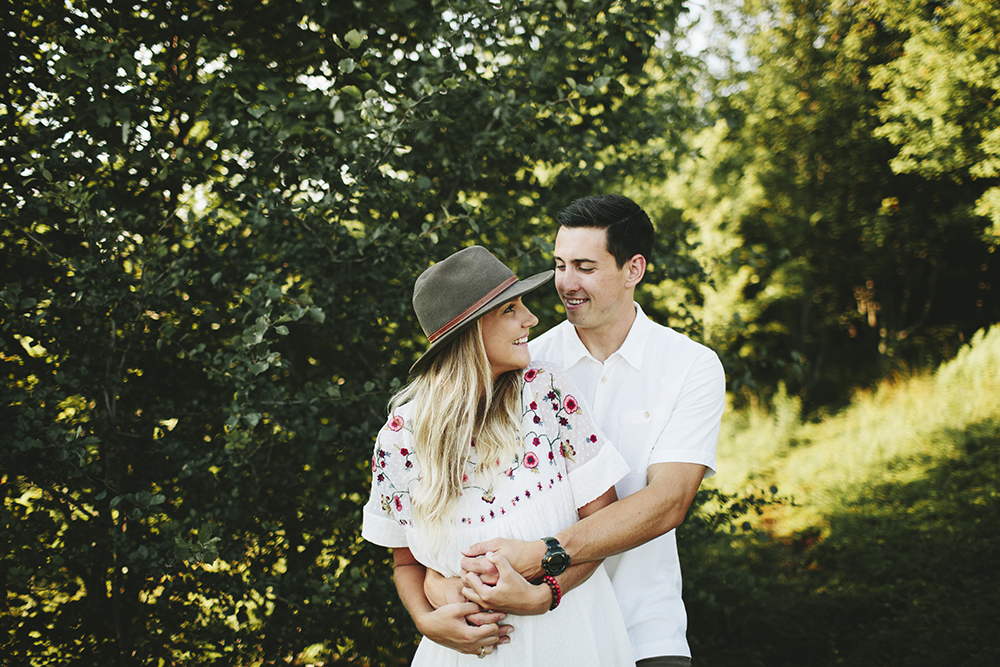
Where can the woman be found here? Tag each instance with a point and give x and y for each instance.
(483, 444)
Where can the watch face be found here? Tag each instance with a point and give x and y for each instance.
(555, 562)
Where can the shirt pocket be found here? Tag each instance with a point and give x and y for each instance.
(637, 433)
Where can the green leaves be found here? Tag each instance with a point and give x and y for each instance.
(830, 265)
(939, 105)
(212, 243)
(354, 39)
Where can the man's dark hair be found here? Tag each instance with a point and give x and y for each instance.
(629, 229)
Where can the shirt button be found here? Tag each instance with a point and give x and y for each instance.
(604, 379)
(646, 415)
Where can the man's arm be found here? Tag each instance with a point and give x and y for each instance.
(504, 594)
(524, 552)
(440, 590)
(654, 510)
(658, 507)
(446, 626)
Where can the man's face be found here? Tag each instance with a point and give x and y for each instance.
(594, 290)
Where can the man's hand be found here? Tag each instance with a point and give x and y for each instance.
(524, 557)
(511, 594)
(447, 626)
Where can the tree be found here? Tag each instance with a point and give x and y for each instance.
(213, 215)
(830, 268)
(941, 96)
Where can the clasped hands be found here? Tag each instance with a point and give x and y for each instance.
(490, 579)
(490, 586)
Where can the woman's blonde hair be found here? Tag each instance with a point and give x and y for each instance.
(457, 405)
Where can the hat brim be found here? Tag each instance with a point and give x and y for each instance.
(520, 288)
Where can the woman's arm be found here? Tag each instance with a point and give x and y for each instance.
(446, 626)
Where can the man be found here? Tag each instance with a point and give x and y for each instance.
(659, 398)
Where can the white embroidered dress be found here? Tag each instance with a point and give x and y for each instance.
(565, 463)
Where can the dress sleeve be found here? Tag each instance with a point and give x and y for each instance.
(387, 512)
(593, 465)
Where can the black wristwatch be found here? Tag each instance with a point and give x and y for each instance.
(556, 560)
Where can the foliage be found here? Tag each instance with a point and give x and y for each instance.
(941, 95)
(894, 504)
(829, 268)
(887, 434)
(213, 214)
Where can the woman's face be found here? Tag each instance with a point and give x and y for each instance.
(505, 335)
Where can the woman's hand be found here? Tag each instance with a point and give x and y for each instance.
(462, 626)
(448, 626)
(512, 593)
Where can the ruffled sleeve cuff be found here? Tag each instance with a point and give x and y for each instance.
(591, 479)
(382, 530)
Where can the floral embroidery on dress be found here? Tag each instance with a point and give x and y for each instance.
(568, 451)
(382, 462)
(548, 417)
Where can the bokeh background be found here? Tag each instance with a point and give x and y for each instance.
(212, 213)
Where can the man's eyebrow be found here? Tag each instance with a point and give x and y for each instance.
(582, 260)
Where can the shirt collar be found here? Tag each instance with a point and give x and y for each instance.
(635, 343)
(574, 351)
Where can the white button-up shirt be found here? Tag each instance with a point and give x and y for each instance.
(659, 399)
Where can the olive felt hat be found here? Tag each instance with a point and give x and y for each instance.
(457, 291)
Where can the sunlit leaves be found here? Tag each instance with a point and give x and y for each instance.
(820, 248)
(941, 95)
(216, 216)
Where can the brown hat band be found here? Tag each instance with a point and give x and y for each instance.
(465, 313)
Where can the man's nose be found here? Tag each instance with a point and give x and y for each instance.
(568, 281)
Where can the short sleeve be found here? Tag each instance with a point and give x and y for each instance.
(593, 464)
(692, 431)
(387, 512)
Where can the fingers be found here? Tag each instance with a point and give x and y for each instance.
(481, 618)
(485, 633)
(475, 615)
(486, 650)
(491, 645)
(465, 627)
(503, 566)
(464, 609)
(475, 589)
(478, 565)
(482, 567)
(483, 593)
(481, 548)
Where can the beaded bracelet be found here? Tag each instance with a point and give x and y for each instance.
(556, 591)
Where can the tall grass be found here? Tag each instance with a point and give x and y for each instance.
(893, 433)
(888, 550)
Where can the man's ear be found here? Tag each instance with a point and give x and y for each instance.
(635, 269)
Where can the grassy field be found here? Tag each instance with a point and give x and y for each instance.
(885, 547)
